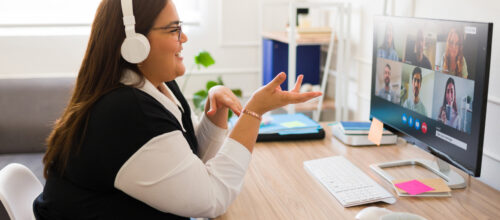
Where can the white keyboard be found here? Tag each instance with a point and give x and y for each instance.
(346, 182)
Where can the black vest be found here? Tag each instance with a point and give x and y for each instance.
(120, 123)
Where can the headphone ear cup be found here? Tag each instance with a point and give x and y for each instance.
(135, 49)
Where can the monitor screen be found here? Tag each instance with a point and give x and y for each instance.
(430, 83)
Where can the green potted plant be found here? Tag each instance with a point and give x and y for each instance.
(200, 97)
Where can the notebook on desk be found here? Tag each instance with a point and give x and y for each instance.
(287, 127)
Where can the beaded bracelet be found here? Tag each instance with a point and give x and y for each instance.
(253, 114)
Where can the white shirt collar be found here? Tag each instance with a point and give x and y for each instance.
(130, 77)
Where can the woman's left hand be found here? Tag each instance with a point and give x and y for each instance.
(220, 99)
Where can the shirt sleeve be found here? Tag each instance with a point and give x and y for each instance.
(210, 138)
(166, 175)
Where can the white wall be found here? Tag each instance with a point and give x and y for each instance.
(44, 51)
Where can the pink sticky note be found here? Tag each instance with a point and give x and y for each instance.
(414, 187)
(376, 130)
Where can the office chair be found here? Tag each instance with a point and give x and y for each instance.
(18, 189)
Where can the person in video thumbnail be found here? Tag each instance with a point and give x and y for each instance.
(387, 50)
(448, 112)
(386, 92)
(415, 103)
(453, 60)
(418, 58)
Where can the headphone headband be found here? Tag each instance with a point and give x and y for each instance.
(135, 47)
(128, 17)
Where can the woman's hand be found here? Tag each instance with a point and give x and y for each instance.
(271, 96)
(443, 116)
(219, 100)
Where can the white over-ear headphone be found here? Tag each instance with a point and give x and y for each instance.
(135, 47)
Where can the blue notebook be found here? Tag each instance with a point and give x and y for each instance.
(357, 127)
(289, 123)
(288, 127)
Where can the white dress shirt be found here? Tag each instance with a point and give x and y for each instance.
(165, 173)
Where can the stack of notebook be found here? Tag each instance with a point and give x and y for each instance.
(356, 133)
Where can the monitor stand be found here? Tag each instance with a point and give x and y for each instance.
(440, 167)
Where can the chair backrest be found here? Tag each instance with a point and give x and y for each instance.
(29, 108)
(18, 189)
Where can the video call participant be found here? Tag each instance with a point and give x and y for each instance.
(387, 50)
(127, 145)
(453, 61)
(386, 92)
(448, 111)
(414, 103)
(418, 58)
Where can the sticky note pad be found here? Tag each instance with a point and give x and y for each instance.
(293, 124)
(437, 183)
(414, 187)
(376, 131)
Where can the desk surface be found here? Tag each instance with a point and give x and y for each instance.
(278, 187)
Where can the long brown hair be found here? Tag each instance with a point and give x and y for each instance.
(100, 72)
(459, 59)
(450, 81)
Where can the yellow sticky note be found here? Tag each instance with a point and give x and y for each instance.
(376, 130)
(293, 124)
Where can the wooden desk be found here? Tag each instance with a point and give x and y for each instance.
(278, 187)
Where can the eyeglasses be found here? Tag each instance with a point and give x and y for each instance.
(174, 26)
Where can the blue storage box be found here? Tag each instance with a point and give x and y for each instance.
(275, 60)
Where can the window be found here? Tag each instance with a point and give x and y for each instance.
(47, 12)
(189, 10)
(69, 12)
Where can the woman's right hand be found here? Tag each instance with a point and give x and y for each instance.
(271, 96)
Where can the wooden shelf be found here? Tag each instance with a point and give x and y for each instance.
(302, 39)
(328, 104)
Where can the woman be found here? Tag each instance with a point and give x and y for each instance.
(387, 50)
(453, 60)
(127, 146)
(448, 113)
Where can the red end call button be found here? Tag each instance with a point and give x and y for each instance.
(424, 127)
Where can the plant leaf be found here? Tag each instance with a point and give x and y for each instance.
(204, 58)
(211, 84)
(199, 99)
(202, 105)
(237, 92)
(219, 80)
(202, 93)
(229, 114)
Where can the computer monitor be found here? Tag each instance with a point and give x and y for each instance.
(430, 84)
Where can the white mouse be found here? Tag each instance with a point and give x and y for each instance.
(376, 213)
(372, 212)
(402, 216)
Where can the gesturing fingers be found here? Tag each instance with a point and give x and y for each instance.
(302, 97)
(234, 104)
(213, 106)
(222, 97)
(298, 83)
(276, 82)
